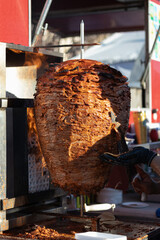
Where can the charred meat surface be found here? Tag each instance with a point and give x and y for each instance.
(79, 107)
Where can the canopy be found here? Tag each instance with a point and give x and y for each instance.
(64, 17)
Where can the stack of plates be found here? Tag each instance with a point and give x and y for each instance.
(110, 195)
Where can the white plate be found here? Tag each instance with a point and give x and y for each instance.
(135, 204)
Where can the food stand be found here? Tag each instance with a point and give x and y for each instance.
(19, 205)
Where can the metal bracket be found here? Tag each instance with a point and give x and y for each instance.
(16, 103)
(3, 103)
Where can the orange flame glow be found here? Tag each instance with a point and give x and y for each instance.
(37, 59)
(16, 51)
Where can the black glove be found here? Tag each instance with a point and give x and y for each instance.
(135, 156)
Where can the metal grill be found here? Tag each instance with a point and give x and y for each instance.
(38, 175)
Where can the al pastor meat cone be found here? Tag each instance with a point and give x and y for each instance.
(80, 105)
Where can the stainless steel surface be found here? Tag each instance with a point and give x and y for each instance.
(24, 78)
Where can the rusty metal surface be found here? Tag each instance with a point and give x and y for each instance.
(13, 202)
(4, 224)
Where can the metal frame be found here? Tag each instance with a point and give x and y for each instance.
(30, 49)
(30, 23)
(11, 208)
(3, 136)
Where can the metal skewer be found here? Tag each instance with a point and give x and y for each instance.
(68, 45)
(82, 38)
(36, 49)
(82, 56)
(81, 44)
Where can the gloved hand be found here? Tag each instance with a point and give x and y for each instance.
(135, 156)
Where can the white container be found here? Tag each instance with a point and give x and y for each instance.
(110, 195)
(99, 236)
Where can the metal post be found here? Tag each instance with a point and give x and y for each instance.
(3, 137)
(3, 141)
(82, 204)
(82, 56)
(41, 20)
(82, 38)
(149, 58)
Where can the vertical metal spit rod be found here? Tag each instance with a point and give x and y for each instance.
(41, 20)
(82, 38)
(81, 205)
(82, 56)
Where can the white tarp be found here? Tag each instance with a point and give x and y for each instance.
(121, 50)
